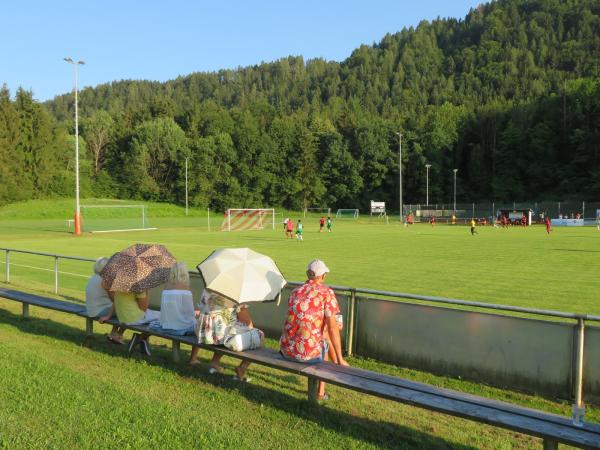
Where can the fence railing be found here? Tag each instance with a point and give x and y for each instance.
(386, 314)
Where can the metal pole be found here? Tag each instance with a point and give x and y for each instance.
(583, 210)
(350, 324)
(455, 170)
(77, 221)
(56, 274)
(578, 407)
(427, 166)
(400, 173)
(7, 266)
(186, 186)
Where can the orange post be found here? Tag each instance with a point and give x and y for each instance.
(77, 224)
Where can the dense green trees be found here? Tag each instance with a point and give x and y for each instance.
(510, 96)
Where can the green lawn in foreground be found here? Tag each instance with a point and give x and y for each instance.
(517, 266)
(57, 391)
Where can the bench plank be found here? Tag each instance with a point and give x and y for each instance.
(456, 395)
(43, 302)
(524, 424)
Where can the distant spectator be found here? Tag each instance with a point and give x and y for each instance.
(311, 327)
(99, 302)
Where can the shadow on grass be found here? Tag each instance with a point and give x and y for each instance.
(375, 432)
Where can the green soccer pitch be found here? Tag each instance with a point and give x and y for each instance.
(515, 266)
(82, 393)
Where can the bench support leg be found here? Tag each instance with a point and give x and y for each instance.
(550, 444)
(89, 327)
(313, 389)
(176, 351)
(26, 310)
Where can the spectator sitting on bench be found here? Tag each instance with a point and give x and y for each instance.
(311, 327)
(132, 309)
(99, 301)
(219, 318)
(176, 301)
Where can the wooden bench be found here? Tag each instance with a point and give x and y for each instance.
(552, 428)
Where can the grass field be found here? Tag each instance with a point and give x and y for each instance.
(57, 391)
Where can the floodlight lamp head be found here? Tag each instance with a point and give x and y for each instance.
(428, 165)
(69, 60)
(81, 62)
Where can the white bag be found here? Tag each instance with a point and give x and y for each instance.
(248, 340)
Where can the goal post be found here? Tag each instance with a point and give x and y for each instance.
(347, 214)
(238, 219)
(115, 218)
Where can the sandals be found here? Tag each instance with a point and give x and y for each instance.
(244, 379)
(324, 397)
(214, 370)
(115, 339)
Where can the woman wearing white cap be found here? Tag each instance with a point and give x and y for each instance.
(311, 322)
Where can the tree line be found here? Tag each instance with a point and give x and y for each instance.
(509, 96)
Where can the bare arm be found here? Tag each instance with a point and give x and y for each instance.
(244, 317)
(109, 315)
(143, 302)
(334, 336)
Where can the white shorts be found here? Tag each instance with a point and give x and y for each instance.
(149, 316)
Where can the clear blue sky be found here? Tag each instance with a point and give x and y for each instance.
(159, 40)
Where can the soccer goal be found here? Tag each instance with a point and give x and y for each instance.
(114, 218)
(347, 214)
(248, 219)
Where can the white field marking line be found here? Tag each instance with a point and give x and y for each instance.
(47, 270)
(120, 231)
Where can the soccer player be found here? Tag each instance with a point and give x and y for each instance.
(299, 230)
(285, 221)
(321, 224)
(432, 221)
(329, 224)
(290, 229)
(548, 225)
(453, 219)
(473, 224)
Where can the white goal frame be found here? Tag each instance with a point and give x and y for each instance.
(142, 207)
(229, 210)
(338, 214)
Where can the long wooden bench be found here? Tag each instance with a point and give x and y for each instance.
(552, 428)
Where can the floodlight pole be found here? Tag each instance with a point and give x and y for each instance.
(400, 172)
(455, 170)
(77, 221)
(186, 186)
(427, 166)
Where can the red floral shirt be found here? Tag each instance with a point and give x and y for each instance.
(308, 306)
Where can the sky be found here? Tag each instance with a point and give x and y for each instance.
(160, 40)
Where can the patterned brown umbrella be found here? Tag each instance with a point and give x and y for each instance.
(138, 268)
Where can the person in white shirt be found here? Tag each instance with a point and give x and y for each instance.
(99, 301)
(176, 303)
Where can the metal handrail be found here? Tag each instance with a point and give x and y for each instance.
(426, 298)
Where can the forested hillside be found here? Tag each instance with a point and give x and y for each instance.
(509, 95)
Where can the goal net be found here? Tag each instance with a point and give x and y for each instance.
(347, 214)
(317, 211)
(114, 218)
(248, 219)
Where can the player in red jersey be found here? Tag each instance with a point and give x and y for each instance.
(432, 221)
(548, 225)
(321, 224)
